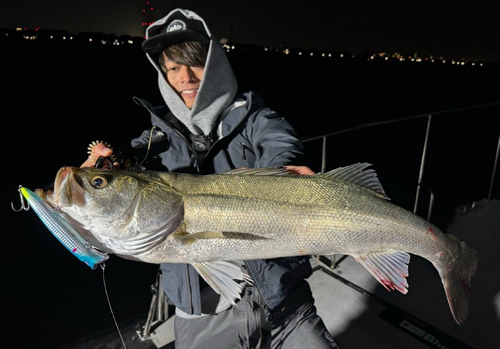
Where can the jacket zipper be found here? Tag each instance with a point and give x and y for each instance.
(190, 301)
(243, 155)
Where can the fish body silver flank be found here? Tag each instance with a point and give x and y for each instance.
(161, 217)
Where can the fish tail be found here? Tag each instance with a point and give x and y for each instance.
(456, 279)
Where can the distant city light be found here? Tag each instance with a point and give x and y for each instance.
(33, 34)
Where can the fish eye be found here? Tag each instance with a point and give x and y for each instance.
(99, 182)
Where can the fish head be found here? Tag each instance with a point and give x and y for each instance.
(102, 192)
(115, 203)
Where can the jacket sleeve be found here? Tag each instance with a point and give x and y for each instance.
(148, 147)
(141, 140)
(274, 140)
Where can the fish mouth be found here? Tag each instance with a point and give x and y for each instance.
(68, 190)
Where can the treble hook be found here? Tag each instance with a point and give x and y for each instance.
(24, 205)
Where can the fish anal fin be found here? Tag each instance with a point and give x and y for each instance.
(223, 277)
(389, 268)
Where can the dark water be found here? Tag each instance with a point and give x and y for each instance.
(57, 99)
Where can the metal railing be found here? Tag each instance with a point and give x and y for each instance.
(158, 311)
(429, 117)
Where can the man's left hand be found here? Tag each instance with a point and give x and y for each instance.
(300, 170)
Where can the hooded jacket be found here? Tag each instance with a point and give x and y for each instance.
(217, 88)
(222, 131)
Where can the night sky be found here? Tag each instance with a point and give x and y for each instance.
(456, 30)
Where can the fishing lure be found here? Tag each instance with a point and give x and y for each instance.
(62, 230)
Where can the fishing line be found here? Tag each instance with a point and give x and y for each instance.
(149, 145)
(103, 266)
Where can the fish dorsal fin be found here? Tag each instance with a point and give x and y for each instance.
(264, 171)
(358, 174)
(389, 268)
(221, 276)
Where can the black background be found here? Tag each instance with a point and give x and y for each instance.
(58, 98)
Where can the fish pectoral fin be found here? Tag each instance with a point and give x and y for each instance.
(223, 277)
(389, 268)
(187, 238)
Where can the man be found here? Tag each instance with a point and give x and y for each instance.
(206, 127)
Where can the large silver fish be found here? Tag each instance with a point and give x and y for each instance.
(209, 221)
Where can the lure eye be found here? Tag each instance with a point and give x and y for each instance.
(99, 182)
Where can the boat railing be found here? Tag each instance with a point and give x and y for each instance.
(429, 116)
(334, 260)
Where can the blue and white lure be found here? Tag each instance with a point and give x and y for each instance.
(63, 231)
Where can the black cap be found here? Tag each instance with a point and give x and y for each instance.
(178, 28)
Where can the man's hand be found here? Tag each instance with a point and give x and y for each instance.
(100, 149)
(300, 170)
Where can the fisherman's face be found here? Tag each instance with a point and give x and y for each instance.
(185, 80)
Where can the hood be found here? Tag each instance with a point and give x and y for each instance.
(217, 89)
